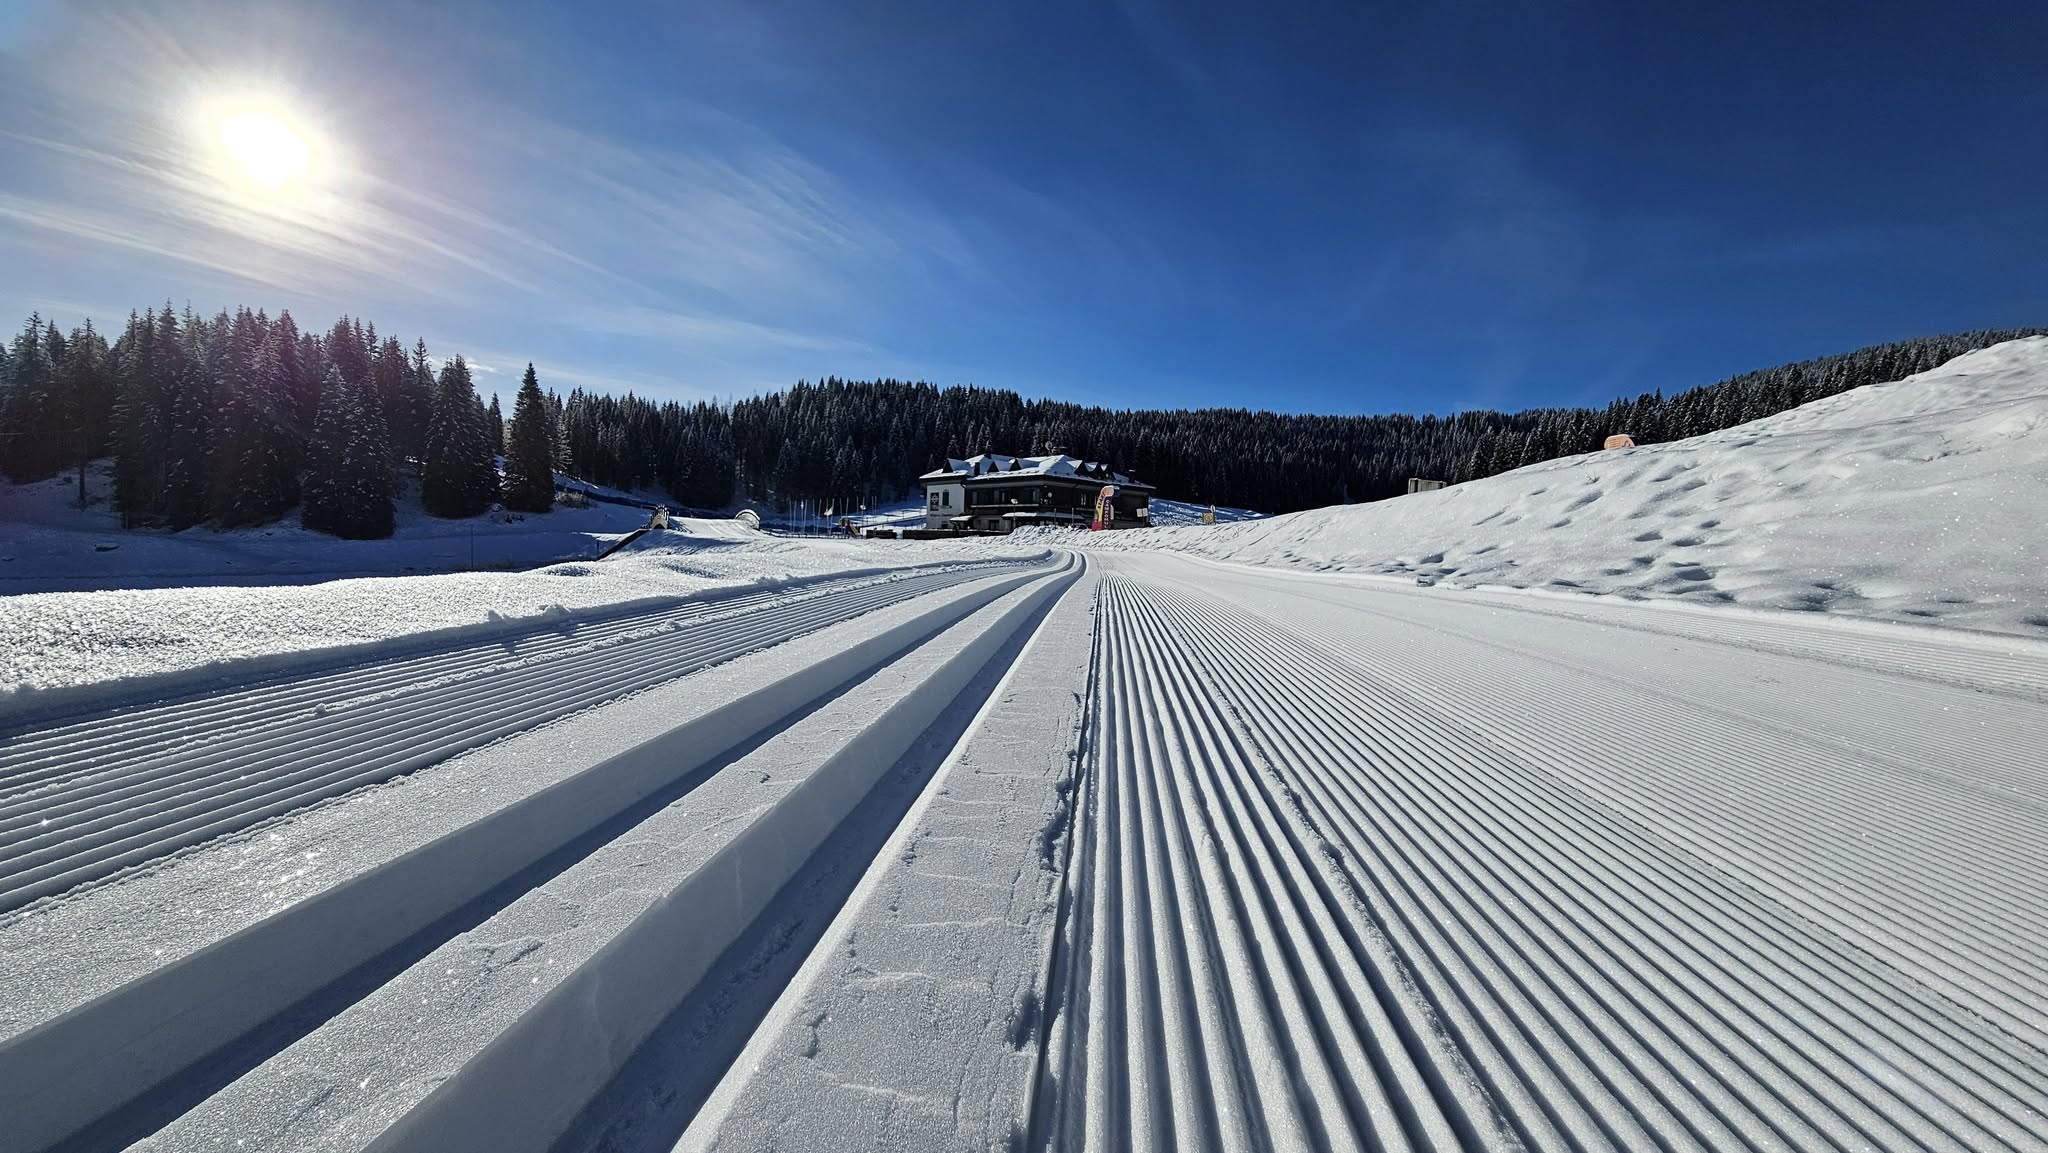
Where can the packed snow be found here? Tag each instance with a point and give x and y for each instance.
(1917, 500)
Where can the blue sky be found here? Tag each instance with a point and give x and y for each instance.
(1343, 208)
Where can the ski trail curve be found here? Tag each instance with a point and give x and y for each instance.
(1313, 913)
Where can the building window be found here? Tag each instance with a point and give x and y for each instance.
(935, 500)
(949, 498)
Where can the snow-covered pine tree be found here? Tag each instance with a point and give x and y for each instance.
(402, 405)
(481, 456)
(424, 388)
(188, 430)
(87, 388)
(255, 449)
(530, 450)
(348, 467)
(31, 439)
(458, 477)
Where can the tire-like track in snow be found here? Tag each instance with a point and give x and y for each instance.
(84, 800)
(1309, 911)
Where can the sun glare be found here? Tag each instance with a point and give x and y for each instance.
(265, 148)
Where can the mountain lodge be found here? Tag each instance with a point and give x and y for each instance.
(995, 493)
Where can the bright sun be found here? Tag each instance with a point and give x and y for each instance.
(266, 149)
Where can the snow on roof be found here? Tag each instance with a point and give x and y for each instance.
(1058, 464)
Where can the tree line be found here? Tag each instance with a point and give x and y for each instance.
(238, 418)
(853, 443)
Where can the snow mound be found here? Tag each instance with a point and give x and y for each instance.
(1916, 500)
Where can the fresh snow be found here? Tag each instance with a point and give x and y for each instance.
(1920, 500)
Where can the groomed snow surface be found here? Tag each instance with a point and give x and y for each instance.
(988, 848)
(1919, 500)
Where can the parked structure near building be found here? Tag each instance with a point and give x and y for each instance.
(1419, 484)
(996, 493)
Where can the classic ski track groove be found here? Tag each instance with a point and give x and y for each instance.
(1312, 912)
(1970, 900)
(75, 807)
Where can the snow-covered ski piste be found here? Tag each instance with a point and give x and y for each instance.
(1336, 895)
(1107, 851)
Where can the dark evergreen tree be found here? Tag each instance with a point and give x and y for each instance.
(348, 466)
(139, 422)
(530, 450)
(405, 403)
(494, 420)
(424, 389)
(255, 478)
(182, 404)
(87, 384)
(32, 407)
(458, 477)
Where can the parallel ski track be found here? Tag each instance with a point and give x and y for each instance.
(84, 800)
(1914, 860)
(1312, 914)
(1986, 662)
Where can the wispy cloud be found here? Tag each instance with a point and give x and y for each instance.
(724, 332)
(729, 240)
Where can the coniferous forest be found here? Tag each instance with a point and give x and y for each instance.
(240, 418)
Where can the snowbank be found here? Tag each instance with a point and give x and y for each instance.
(63, 640)
(1923, 499)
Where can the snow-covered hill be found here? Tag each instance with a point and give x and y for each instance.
(1923, 499)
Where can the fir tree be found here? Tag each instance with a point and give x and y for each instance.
(348, 467)
(188, 405)
(530, 450)
(458, 477)
(424, 390)
(32, 441)
(403, 403)
(254, 447)
(88, 387)
(494, 418)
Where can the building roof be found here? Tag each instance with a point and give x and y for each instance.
(1020, 467)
